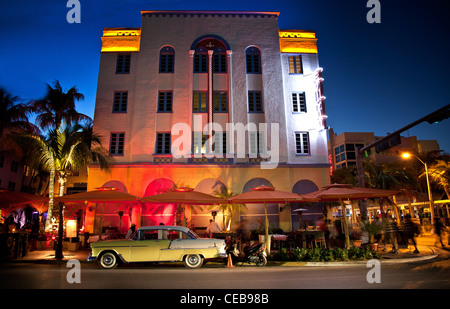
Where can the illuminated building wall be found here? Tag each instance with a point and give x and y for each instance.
(221, 67)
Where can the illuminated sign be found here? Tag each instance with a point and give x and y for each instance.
(121, 39)
(298, 41)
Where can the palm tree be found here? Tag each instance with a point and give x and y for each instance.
(79, 146)
(390, 178)
(62, 152)
(13, 115)
(13, 119)
(228, 210)
(439, 173)
(56, 109)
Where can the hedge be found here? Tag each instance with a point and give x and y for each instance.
(325, 255)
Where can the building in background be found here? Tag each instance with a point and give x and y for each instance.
(185, 69)
(342, 148)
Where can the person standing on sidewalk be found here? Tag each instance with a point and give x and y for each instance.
(411, 230)
(439, 228)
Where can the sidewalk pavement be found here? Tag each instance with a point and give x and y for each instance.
(404, 255)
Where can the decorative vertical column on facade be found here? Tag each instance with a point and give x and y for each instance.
(320, 98)
(190, 90)
(210, 100)
(230, 88)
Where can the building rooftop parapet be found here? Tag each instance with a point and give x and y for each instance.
(212, 13)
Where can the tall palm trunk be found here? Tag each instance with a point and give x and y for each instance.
(51, 193)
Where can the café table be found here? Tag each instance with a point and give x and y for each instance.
(308, 236)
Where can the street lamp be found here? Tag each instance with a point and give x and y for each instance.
(407, 155)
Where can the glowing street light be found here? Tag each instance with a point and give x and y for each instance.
(407, 155)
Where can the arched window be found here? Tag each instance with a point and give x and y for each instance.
(201, 60)
(253, 59)
(219, 60)
(166, 59)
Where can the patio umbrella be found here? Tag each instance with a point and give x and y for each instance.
(184, 196)
(102, 194)
(8, 197)
(10, 200)
(341, 192)
(265, 194)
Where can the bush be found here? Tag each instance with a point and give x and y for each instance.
(325, 255)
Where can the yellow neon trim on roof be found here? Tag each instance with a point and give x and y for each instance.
(121, 40)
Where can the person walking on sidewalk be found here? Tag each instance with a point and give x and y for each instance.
(411, 229)
(439, 228)
(391, 233)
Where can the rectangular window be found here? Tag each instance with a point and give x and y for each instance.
(199, 143)
(302, 143)
(220, 142)
(254, 102)
(200, 102)
(165, 101)
(220, 102)
(120, 102)
(116, 146)
(123, 64)
(166, 63)
(256, 143)
(163, 141)
(295, 65)
(219, 63)
(298, 102)
(200, 63)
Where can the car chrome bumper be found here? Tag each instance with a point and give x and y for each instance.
(223, 255)
(91, 258)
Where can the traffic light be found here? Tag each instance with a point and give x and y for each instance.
(439, 115)
(388, 143)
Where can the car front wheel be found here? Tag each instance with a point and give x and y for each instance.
(108, 260)
(193, 261)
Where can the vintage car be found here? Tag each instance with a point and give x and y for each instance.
(158, 244)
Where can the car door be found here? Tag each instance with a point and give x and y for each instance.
(148, 246)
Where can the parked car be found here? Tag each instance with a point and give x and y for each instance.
(158, 244)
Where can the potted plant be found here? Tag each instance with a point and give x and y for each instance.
(372, 229)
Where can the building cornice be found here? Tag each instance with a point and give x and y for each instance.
(211, 13)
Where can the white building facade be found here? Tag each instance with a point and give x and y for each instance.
(160, 86)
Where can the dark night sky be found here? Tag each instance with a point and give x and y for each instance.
(378, 77)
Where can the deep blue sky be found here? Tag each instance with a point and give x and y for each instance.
(378, 77)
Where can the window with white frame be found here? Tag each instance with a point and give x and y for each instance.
(302, 143)
(298, 102)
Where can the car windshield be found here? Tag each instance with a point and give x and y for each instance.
(192, 234)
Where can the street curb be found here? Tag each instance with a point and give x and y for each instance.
(351, 263)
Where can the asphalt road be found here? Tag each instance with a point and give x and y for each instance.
(432, 274)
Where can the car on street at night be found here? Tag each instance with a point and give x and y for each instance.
(158, 244)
